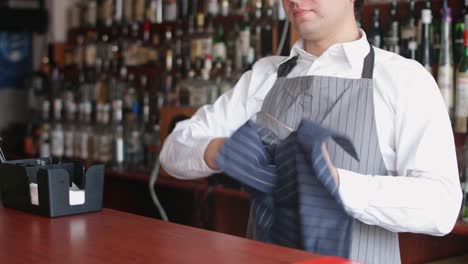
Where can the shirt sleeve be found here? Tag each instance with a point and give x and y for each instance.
(426, 195)
(183, 151)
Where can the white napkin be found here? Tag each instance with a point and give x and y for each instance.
(77, 196)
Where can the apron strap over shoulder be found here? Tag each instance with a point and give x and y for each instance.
(368, 68)
(286, 67)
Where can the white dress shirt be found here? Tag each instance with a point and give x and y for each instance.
(413, 128)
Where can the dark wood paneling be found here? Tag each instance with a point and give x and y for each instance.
(416, 248)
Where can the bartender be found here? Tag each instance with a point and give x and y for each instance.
(390, 107)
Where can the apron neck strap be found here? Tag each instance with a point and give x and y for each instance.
(367, 70)
(286, 67)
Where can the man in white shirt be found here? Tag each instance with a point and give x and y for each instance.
(413, 136)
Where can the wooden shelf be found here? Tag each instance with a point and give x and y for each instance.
(227, 21)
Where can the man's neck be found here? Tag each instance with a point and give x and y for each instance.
(317, 46)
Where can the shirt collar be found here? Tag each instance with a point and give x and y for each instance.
(354, 51)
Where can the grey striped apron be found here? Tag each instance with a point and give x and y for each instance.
(347, 107)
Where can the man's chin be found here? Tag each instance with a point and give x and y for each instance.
(307, 30)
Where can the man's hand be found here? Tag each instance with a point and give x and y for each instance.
(211, 151)
(332, 167)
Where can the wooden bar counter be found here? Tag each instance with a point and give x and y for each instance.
(116, 237)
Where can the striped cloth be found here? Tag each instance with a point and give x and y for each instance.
(297, 199)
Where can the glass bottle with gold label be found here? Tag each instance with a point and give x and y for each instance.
(196, 50)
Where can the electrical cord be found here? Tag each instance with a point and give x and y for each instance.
(2, 156)
(154, 197)
(284, 34)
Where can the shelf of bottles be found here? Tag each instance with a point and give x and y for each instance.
(431, 32)
(127, 59)
(435, 33)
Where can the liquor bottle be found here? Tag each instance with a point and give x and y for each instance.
(413, 49)
(86, 133)
(139, 11)
(128, 11)
(150, 48)
(119, 147)
(157, 97)
(103, 49)
(199, 93)
(74, 16)
(459, 30)
(170, 10)
(79, 52)
(427, 5)
(91, 13)
(180, 48)
(393, 35)
(77, 135)
(57, 133)
(228, 81)
(91, 49)
(98, 130)
(44, 141)
(256, 38)
(83, 14)
(118, 12)
(167, 51)
(464, 212)
(244, 42)
(151, 9)
(219, 47)
(186, 87)
(445, 73)
(150, 133)
(217, 77)
(159, 11)
(106, 8)
(56, 81)
(225, 8)
(102, 87)
(436, 34)
(196, 38)
(133, 55)
(268, 23)
(234, 46)
(117, 125)
(375, 37)
(105, 136)
(130, 94)
(207, 38)
(69, 129)
(133, 139)
(425, 57)
(212, 7)
(461, 104)
(82, 95)
(409, 31)
(208, 77)
(182, 9)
